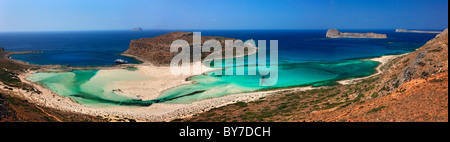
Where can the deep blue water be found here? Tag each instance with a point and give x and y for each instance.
(73, 48)
(92, 48)
(306, 58)
(311, 45)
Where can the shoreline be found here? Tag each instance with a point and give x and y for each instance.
(382, 60)
(165, 111)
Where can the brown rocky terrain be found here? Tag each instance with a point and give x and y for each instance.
(411, 88)
(156, 50)
(333, 33)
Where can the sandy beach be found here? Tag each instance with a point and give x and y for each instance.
(160, 79)
(382, 60)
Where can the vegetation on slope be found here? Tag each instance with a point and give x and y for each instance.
(13, 108)
(411, 88)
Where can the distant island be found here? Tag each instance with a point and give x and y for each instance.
(334, 33)
(400, 89)
(137, 29)
(416, 31)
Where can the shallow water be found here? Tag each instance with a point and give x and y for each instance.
(305, 58)
(290, 74)
(89, 87)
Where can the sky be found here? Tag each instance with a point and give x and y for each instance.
(80, 15)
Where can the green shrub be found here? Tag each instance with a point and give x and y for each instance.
(241, 104)
(376, 109)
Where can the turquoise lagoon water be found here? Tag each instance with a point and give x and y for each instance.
(289, 74)
(84, 87)
(305, 58)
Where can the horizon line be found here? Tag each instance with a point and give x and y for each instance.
(90, 30)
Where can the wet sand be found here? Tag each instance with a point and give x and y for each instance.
(162, 79)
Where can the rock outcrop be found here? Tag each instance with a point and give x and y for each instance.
(156, 50)
(430, 59)
(2, 49)
(416, 31)
(334, 33)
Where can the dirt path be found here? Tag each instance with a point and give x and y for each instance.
(48, 114)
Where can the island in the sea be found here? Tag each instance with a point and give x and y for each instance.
(400, 89)
(334, 33)
(416, 31)
(137, 29)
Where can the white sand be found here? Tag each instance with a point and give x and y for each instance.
(161, 79)
(383, 60)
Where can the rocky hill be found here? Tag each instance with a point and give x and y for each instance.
(333, 33)
(156, 50)
(413, 87)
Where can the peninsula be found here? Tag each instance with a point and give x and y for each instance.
(416, 31)
(156, 50)
(334, 33)
(402, 90)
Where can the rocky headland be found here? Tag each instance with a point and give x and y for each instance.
(156, 50)
(46, 101)
(411, 87)
(334, 33)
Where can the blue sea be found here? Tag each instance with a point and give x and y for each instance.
(95, 48)
(306, 57)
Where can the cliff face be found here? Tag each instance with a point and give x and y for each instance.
(413, 87)
(333, 33)
(156, 50)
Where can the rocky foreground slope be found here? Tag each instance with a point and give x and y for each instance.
(156, 50)
(412, 87)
